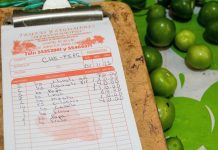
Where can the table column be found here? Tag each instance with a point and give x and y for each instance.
(61, 113)
(106, 95)
(21, 117)
(115, 100)
(101, 112)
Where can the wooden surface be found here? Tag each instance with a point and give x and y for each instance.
(136, 74)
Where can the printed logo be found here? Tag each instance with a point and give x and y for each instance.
(22, 47)
(91, 41)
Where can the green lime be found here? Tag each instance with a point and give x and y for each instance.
(211, 32)
(184, 39)
(161, 32)
(199, 57)
(156, 11)
(153, 58)
(163, 82)
(166, 112)
(174, 143)
(208, 13)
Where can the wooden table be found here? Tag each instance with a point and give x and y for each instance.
(136, 74)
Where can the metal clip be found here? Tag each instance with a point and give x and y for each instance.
(78, 14)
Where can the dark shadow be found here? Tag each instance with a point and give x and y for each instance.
(174, 46)
(193, 69)
(177, 18)
(148, 43)
(208, 40)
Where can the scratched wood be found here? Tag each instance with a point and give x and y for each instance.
(136, 74)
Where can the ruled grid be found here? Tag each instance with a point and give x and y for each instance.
(100, 93)
(75, 99)
(112, 120)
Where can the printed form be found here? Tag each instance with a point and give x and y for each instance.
(64, 89)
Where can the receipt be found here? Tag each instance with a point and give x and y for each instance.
(64, 88)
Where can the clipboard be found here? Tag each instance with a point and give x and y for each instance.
(136, 74)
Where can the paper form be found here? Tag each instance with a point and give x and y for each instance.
(64, 89)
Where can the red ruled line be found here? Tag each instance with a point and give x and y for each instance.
(71, 146)
(53, 66)
(62, 75)
(69, 88)
(67, 121)
(46, 141)
(93, 92)
(105, 127)
(107, 74)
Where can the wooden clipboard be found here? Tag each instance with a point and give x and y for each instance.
(136, 74)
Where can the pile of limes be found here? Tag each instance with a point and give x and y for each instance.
(161, 33)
